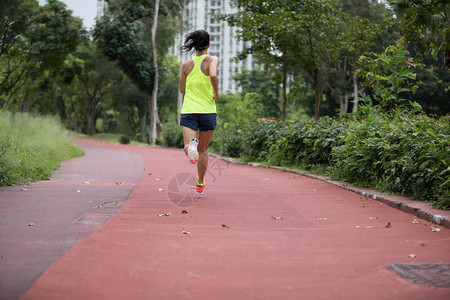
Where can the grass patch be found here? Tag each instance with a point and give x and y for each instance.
(32, 147)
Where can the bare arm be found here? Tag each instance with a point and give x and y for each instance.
(182, 78)
(213, 65)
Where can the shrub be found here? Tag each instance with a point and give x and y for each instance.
(172, 134)
(400, 153)
(123, 139)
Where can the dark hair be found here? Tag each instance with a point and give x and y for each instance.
(198, 40)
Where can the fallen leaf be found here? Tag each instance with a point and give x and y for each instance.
(412, 255)
(31, 224)
(149, 173)
(157, 179)
(362, 205)
(24, 190)
(415, 221)
(184, 212)
(185, 232)
(115, 201)
(322, 219)
(119, 183)
(225, 226)
(435, 229)
(164, 215)
(373, 218)
(85, 182)
(388, 225)
(276, 218)
(100, 206)
(422, 244)
(160, 189)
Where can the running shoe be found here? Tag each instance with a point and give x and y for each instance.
(200, 188)
(192, 150)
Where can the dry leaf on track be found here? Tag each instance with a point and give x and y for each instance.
(185, 232)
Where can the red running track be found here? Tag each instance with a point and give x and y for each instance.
(255, 234)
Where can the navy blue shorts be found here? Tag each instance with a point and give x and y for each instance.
(202, 122)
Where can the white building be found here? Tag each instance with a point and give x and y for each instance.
(224, 43)
(101, 8)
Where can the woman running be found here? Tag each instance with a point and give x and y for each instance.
(200, 86)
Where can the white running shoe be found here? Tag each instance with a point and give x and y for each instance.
(192, 150)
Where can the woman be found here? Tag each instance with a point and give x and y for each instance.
(200, 86)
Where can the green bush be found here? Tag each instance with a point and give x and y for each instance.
(32, 147)
(123, 139)
(172, 135)
(398, 152)
(395, 151)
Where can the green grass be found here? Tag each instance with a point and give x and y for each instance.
(32, 147)
(106, 137)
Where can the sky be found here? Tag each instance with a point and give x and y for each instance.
(85, 9)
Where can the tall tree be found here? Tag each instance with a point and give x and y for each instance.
(154, 101)
(426, 24)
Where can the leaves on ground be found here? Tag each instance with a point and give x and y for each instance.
(31, 224)
(184, 212)
(160, 189)
(119, 183)
(373, 218)
(277, 218)
(363, 205)
(322, 219)
(415, 221)
(85, 182)
(225, 226)
(412, 255)
(388, 225)
(435, 229)
(165, 215)
(185, 232)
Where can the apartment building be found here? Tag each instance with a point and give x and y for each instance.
(224, 43)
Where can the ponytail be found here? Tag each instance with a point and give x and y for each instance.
(198, 40)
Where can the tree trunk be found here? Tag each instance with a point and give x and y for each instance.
(283, 104)
(180, 96)
(142, 121)
(154, 108)
(356, 93)
(318, 95)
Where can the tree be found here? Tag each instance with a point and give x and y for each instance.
(264, 86)
(426, 24)
(306, 34)
(120, 36)
(154, 108)
(15, 18)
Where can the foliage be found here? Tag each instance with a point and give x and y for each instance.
(123, 139)
(237, 115)
(32, 147)
(389, 74)
(265, 86)
(398, 152)
(426, 25)
(172, 134)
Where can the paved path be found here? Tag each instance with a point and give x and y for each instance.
(256, 234)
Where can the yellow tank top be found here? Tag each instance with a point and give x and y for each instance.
(198, 97)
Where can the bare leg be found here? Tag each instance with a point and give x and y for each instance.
(188, 134)
(204, 139)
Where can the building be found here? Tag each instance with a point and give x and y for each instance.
(224, 43)
(101, 8)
